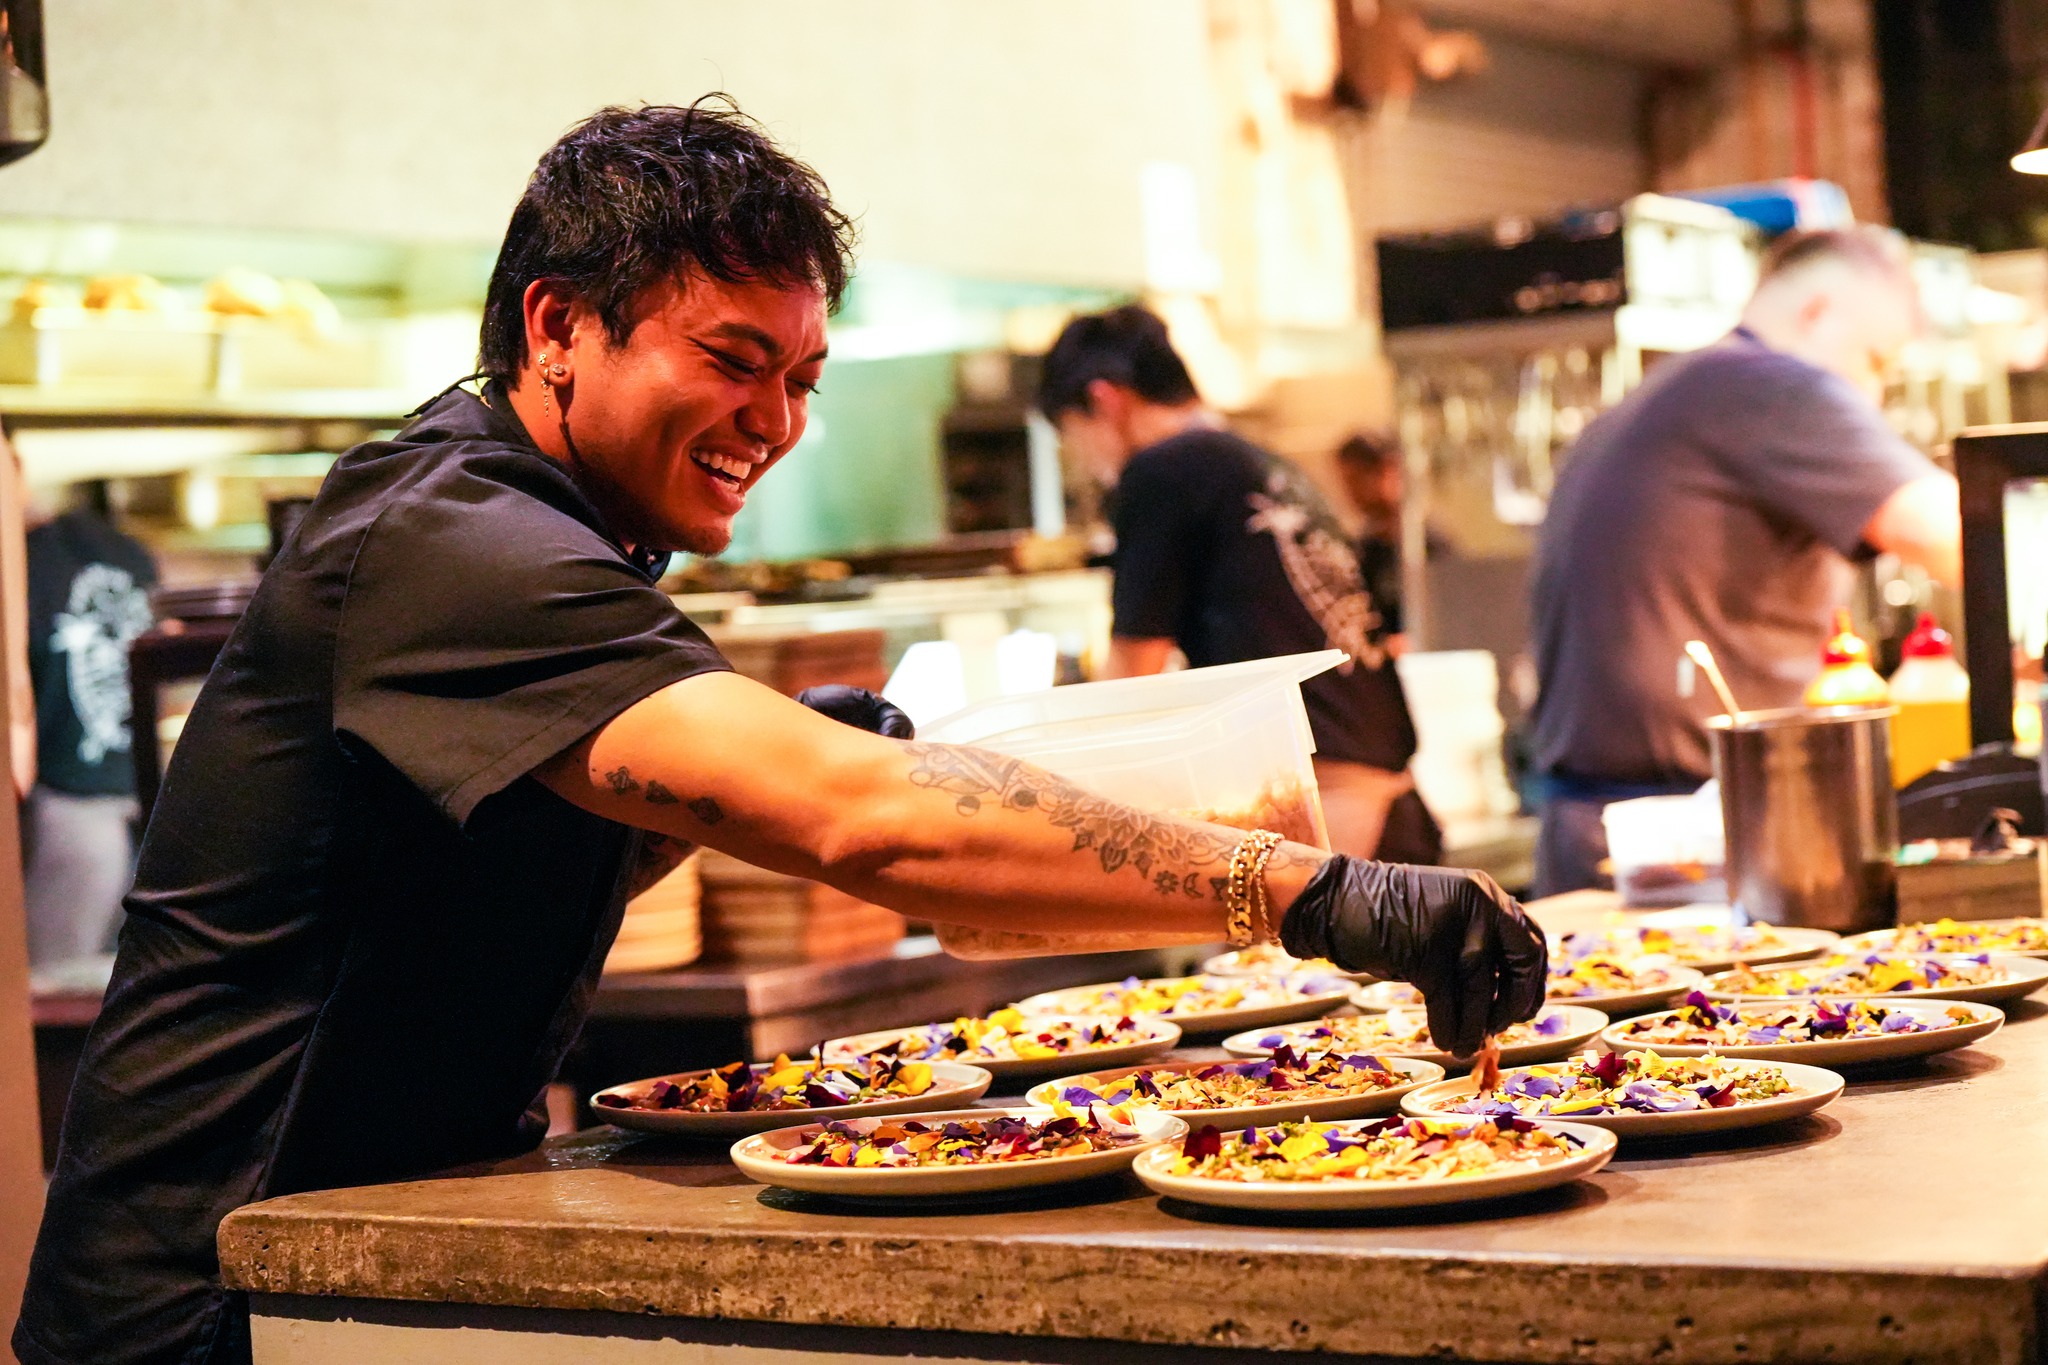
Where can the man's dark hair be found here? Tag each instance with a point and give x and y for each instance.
(1370, 450)
(630, 197)
(1127, 346)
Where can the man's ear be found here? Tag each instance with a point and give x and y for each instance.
(1813, 308)
(551, 315)
(1106, 402)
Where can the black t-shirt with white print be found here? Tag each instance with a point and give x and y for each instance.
(1233, 554)
(361, 935)
(88, 597)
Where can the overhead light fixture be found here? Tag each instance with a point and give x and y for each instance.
(2033, 158)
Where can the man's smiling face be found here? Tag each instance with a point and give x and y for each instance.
(712, 386)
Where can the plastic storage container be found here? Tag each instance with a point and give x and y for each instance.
(1668, 850)
(1229, 744)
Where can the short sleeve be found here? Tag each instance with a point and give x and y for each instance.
(1817, 453)
(474, 647)
(1156, 540)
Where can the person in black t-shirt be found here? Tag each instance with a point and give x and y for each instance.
(1230, 553)
(394, 841)
(88, 597)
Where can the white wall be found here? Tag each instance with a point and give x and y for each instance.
(992, 137)
(1541, 128)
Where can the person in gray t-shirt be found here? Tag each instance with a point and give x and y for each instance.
(1723, 500)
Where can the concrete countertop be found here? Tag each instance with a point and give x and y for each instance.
(1906, 1222)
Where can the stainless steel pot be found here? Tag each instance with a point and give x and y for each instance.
(1810, 814)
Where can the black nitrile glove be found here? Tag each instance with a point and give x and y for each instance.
(1456, 936)
(860, 708)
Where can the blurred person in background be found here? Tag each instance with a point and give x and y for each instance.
(1725, 500)
(1371, 466)
(88, 598)
(1229, 553)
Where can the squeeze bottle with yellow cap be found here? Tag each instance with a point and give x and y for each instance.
(1846, 677)
(1932, 692)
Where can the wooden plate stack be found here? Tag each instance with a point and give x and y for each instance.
(661, 928)
(752, 915)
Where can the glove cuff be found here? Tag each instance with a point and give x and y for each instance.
(1305, 929)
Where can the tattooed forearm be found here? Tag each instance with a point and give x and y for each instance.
(623, 783)
(1177, 857)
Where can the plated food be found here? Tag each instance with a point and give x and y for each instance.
(1617, 985)
(1640, 1093)
(1381, 996)
(1385, 1163)
(1286, 1085)
(1270, 959)
(964, 1152)
(1206, 1005)
(1556, 1032)
(1825, 1032)
(751, 1098)
(1614, 986)
(1988, 978)
(1010, 1046)
(2019, 937)
(1708, 947)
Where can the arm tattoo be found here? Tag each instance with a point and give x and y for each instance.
(1176, 856)
(656, 857)
(622, 783)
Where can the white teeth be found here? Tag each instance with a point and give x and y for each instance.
(724, 464)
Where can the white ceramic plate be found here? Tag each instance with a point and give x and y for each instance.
(953, 1086)
(1161, 1035)
(1381, 996)
(1291, 1009)
(1580, 1026)
(1263, 963)
(1155, 1168)
(1417, 1073)
(1792, 944)
(2023, 976)
(1883, 940)
(1891, 1047)
(1812, 1087)
(756, 1157)
(1390, 995)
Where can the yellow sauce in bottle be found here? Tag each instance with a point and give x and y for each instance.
(1846, 677)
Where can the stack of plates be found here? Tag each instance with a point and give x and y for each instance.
(660, 930)
(753, 915)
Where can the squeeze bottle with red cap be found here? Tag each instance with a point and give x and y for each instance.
(1846, 677)
(1932, 692)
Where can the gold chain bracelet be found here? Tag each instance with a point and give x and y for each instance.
(1244, 897)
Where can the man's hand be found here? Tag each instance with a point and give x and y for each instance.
(860, 708)
(1462, 941)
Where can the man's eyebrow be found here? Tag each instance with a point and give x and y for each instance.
(772, 349)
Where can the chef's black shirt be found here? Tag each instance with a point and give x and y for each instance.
(1232, 553)
(361, 934)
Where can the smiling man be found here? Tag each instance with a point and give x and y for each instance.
(393, 845)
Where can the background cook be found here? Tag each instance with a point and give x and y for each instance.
(1723, 500)
(1230, 553)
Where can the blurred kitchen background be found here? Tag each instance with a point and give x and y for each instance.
(1471, 223)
